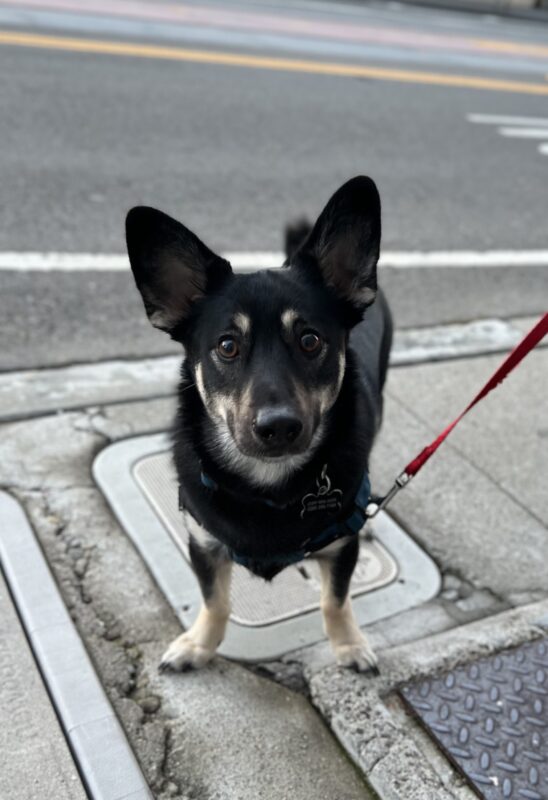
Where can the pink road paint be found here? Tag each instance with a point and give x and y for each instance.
(312, 28)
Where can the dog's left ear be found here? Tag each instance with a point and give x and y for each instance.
(172, 268)
(344, 244)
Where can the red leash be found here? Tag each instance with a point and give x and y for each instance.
(512, 360)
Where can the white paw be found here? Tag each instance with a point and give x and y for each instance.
(358, 656)
(184, 654)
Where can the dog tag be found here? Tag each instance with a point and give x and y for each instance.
(325, 499)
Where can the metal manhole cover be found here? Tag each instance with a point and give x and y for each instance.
(394, 574)
(490, 718)
(294, 591)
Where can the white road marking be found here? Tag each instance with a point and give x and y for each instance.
(113, 262)
(460, 259)
(494, 119)
(524, 133)
(516, 127)
(249, 261)
(62, 262)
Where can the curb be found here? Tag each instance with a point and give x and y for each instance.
(96, 739)
(500, 9)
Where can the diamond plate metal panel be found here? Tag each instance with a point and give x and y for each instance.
(491, 719)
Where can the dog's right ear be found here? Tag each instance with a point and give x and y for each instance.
(172, 268)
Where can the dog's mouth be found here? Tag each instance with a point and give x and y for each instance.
(271, 456)
(269, 452)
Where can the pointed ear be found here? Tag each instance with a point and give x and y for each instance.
(344, 244)
(171, 266)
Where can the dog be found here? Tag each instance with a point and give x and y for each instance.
(279, 402)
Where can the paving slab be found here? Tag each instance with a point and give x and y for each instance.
(28, 393)
(505, 436)
(479, 506)
(47, 453)
(237, 735)
(30, 734)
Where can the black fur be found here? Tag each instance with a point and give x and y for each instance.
(342, 568)
(331, 283)
(295, 234)
(204, 562)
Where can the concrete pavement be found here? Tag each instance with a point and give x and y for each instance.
(479, 508)
(29, 730)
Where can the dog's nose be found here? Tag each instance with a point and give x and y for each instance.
(277, 426)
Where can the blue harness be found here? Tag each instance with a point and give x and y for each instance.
(337, 530)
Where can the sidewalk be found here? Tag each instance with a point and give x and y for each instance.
(534, 10)
(274, 730)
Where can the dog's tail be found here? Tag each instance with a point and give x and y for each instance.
(295, 234)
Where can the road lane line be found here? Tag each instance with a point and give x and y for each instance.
(495, 119)
(524, 133)
(465, 259)
(333, 69)
(245, 261)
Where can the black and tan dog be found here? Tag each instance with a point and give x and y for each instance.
(279, 403)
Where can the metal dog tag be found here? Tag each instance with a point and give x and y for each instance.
(326, 498)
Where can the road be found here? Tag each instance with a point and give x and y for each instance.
(235, 118)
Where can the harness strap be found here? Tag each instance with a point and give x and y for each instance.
(337, 530)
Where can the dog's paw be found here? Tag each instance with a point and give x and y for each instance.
(184, 654)
(357, 656)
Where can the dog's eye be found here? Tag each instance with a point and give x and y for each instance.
(228, 347)
(310, 342)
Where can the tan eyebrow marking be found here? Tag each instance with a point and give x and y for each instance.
(289, 317)
(242, 322)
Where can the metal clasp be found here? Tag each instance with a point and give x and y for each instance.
(400, 483)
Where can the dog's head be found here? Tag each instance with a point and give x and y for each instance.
(266, 350)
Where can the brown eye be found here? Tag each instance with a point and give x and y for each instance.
(228, 347)
(310, 342)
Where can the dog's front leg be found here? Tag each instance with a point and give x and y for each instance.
(197, 646)
(349, 644)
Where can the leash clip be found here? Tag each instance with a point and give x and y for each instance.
(400, 483)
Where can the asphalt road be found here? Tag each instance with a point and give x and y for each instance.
(235, 151)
